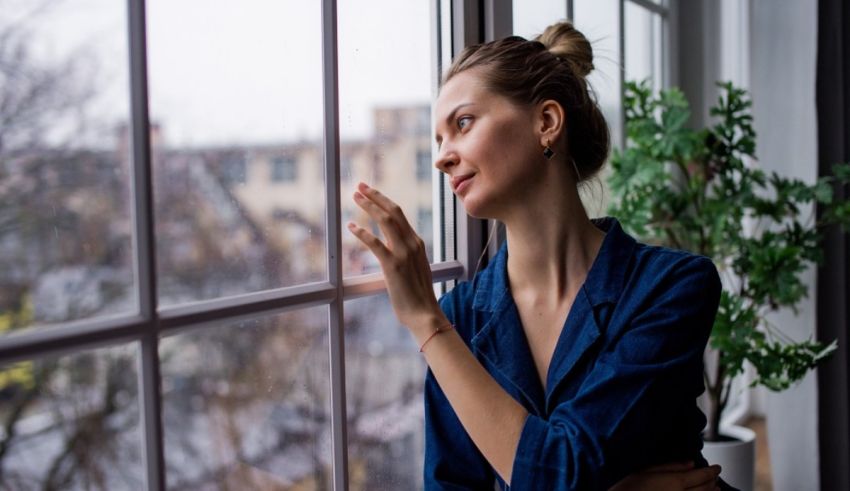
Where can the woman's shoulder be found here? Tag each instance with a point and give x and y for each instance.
(665, 278)
(630, 272)
(660, 261)
(658, 257)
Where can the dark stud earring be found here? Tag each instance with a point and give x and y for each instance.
(548, 152)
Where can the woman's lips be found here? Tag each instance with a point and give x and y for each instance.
(463, 185)
(461, 182)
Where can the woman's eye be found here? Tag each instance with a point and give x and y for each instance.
(464, 121)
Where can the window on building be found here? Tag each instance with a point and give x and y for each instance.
(423, 165)
(163, 323)
(234, 169)
(284, 169)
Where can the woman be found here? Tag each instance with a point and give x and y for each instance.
(574, 359)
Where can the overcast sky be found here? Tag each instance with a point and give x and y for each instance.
(249, 71)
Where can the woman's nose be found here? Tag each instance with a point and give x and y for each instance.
(446, 158)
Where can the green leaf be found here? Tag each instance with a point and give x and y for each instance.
(691, 189)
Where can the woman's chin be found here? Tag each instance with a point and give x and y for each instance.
(474, 208)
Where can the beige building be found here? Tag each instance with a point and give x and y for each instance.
(287, 182)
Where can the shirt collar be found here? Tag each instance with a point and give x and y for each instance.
(604, 281)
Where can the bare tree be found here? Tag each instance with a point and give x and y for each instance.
(57, 207)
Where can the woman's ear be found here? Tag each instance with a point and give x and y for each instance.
(551, 121)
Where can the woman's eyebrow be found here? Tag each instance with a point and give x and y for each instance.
(451, 115)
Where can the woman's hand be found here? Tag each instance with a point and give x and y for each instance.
(403, 260)
(671, 477)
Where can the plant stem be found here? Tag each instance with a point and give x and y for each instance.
(715, 406)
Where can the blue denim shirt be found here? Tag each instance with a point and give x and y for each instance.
(622, 383)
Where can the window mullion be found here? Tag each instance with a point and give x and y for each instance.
(622, 70)
(144, 249)
(470, 233)
(330, 87)
(498, 19)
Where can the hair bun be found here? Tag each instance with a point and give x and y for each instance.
(563, 40)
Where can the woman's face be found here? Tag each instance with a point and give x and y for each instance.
(487, 146)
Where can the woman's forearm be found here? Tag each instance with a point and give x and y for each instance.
(491, 417)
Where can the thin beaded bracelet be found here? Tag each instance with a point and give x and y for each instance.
(438, 331)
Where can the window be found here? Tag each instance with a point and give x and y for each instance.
(284, 169)
(425, 221)
(423, 165)
(168, 318)
(234, 169)
(423, 218)
(645, 34)
(65, 220)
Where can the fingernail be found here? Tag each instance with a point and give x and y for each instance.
(357, 195)
(351, 225)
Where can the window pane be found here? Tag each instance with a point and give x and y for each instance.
(385, 115)
(247, 405)
(641, 44)
(72, 422)
(65, 233)
(599, 21)
(385, 375)
(236, 108)
(530, 18)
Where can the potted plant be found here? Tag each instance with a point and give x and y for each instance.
(701, 190)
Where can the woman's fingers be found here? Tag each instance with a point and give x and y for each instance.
(699, 479)
(385, 210)
(403, 260)
(388, 205)
(373, 243)
(386, 222)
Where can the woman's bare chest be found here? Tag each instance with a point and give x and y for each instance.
(542, 326)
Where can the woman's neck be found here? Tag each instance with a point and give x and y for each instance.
(552, 245)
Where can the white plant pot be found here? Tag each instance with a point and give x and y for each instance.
(736, 458)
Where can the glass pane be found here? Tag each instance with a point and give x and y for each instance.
(247, 405)
(598, 20)
(640, 45)
(385, 116)
(530, 18)
(65, 227)
(72, 422)
(659, 62)
(385, 375)
(236, 106)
